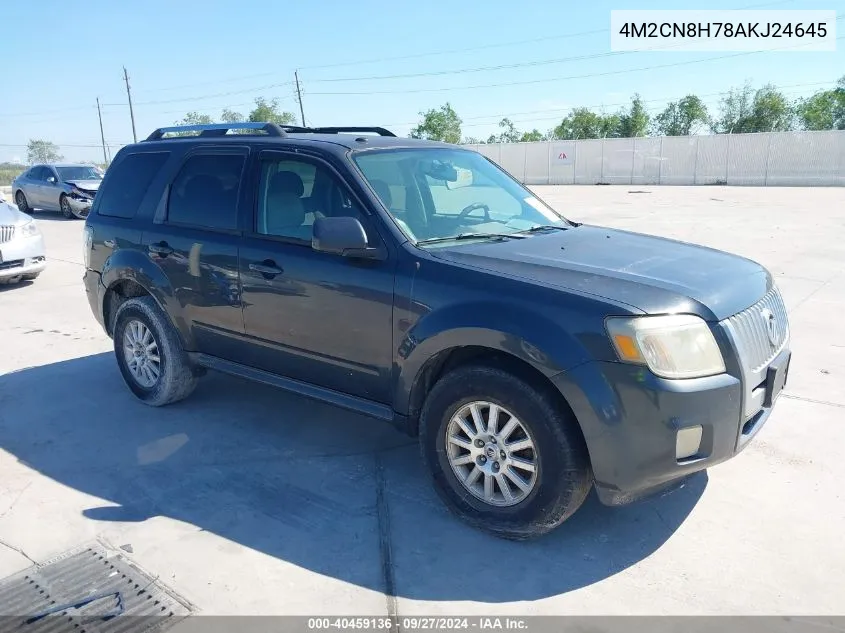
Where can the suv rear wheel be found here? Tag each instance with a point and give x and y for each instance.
(150, 355)
(504, 457)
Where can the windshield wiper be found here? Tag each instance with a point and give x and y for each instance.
(545, 227)
(472, 236)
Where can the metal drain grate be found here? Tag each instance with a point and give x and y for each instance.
(87, 590)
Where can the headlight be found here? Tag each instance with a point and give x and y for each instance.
(672, 346)
(30, 229)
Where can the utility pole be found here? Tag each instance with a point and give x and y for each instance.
(299, 97)
(131, 111)
(102, 135)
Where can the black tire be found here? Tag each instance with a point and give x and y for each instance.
(563, 476)
(31, 277)
(177, 379)
(64, 206)
(21, 201)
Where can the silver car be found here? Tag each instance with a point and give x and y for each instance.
(21, 246)
(64, 187)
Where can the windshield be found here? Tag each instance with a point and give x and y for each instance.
(80, 172)
(438, 195)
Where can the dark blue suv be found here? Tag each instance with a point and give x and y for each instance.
(419, 283)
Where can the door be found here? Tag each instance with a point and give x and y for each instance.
(34, 187)
(315, 317)
(194, 240)
(50, 189)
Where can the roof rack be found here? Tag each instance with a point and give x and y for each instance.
(218, 129)
(295, 129)
(271, 129)
(339, 130)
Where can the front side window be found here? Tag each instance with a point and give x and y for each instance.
(205, 193)
(440, 194)
(79, 172)
(293, 193)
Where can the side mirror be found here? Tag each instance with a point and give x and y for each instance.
(51, 180)
(342, 236)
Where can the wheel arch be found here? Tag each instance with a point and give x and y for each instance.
(127, 274)
(451, 358)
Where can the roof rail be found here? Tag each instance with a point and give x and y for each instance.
(296, 129)
(217, 129)
(338, 130)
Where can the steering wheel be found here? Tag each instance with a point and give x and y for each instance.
(474, 206)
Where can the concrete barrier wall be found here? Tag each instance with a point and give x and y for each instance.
(774, 158)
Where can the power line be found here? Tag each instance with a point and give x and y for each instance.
(585, 76)
(540, 62)
(457, 50)
(208, 96)
(499, 44)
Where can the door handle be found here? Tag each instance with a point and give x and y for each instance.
(109, 243)
(162, 249)
(267, 268)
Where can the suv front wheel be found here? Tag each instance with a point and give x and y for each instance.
(504, 457)
(150, 356)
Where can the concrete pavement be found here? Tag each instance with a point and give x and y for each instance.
(246, 500)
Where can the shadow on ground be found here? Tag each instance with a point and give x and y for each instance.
(7, 287)
(297, 480)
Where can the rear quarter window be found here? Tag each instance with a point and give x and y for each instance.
(126, 184)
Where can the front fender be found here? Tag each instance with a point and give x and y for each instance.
(132, 265)
(498, 326)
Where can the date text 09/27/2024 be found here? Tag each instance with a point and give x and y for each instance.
(418, 623)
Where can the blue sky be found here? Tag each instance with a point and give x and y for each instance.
(206, 56)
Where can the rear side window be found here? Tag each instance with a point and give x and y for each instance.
(205, 193)
(127, 182)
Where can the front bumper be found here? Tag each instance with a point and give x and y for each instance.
(80, 207)
(22, 256)
(630, 419)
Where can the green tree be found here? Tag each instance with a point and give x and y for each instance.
(471, 140)
(634, 121)
(682, 118)
(609, 125)
(735, 111)
(533, 135)
(442, 124)
(825, 110)
(771, 111)
(747, 110)
(41, 151)
(580, 123)
(230, 116)
(195, 118)
(270, 112)
(509, 133)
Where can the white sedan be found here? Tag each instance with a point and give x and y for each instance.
(21, 245)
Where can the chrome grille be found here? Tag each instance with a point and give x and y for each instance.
(6, 233)
(750, 332)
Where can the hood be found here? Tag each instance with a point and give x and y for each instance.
(10, 215)
(88, 185)
(654, 274)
